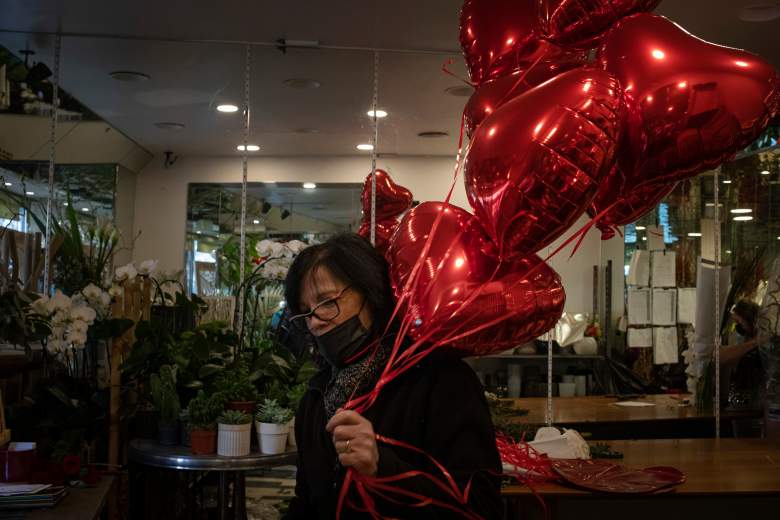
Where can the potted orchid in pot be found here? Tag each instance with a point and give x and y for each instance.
(273, 426)
(204, 411)
(235, 433)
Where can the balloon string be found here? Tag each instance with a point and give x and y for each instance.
(446, 70)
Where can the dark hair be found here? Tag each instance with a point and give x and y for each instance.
(352, 260)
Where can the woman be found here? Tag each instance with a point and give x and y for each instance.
(340, 293)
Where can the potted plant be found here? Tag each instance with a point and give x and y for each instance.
(235, 433)
(204, 411)
(165, 398)
(238, 390)
(273, 427)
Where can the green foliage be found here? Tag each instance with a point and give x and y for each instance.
(229, 262)
(204, 410)
(296, 394)
(18, 325)
(164, 396)
(235, 384)
(234, 417)
(272, 412)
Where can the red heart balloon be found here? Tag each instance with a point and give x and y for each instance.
(536, 162)
(384, 231)
(692, 104)
(463, 291)
(580, 23)
(552, 60)
(391, 199)
(495, 35)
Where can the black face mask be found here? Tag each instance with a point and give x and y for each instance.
(343, 342)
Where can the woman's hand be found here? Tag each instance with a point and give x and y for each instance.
(355, 442)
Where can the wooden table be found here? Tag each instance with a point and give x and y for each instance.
(80, 504)
(599, 416)
(730, 478)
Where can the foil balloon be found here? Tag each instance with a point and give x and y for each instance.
(535, 163)
(464, 297)
(692, 104)
(391, 199)
(384, 231)
(580, 23)
(495, 35)
(546, 62)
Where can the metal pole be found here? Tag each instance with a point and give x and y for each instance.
(374, 149)
(716, 398)
(549, 412)
(245, 160)
(55, 101)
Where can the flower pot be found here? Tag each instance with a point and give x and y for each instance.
(291, 434)
(233, 439)
(248, 407)
(273, 437)
(204, 442)
(168, 434)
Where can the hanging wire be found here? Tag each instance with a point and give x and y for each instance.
(716, 398)
(55, 102)
(549, 412)
(374, 149)
(245, 160)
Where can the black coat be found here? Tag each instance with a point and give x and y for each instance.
(438, 406)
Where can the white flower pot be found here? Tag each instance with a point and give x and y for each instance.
(233, 439)
(291, 434)
(273, 437)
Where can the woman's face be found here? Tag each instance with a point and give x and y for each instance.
(320, 285)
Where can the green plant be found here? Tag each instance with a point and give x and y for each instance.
(204, 410)
(272, 412)
(164, 396)
(235, 384)
(296, 394)
(234, 417)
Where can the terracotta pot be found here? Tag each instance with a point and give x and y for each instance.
(248, 407)
(204, 442)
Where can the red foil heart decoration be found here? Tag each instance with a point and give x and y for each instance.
(391, 199)
(495, 36)
(546, 62)
(384, 231)
(692, 104)
(465, 293)
(535, 163)
(581, 23)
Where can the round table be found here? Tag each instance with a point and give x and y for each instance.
(147, 452)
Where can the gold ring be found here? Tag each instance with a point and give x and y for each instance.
(348, 448)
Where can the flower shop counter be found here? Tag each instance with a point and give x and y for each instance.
(730, 478)
(145, 454)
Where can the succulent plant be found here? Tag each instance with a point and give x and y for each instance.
(271, 412)
(234, 417)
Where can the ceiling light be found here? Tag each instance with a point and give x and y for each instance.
(739, 211)
(31, 193)
(255, 221)
(84, 209)
(765, 172)
(644, 238)
(694, 234)
(433, 134)
(309, 185)
(712, 204)
(762, 12)
(228, 109)
(743, 218)
(306, 131)
(728, 251)
(65, 204)
(726, 181)
(460, 91)
(249, 148)
(365, 147)
(129, 76)
(379, 113)
(640, 228)
(169, 126)
(8, 184)
(302, 83)
(198, 232)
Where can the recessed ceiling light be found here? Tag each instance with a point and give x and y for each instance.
(249, 148)
(8, 184)
(129, 75)
(763, 12)
(433, 134)
(198, 232)
(765, 172)
(379, 113)
(365, 147)
(694, 234)
(228, 109)
(712, 204)
(309, 185)
(739, 211)
(744, 218)
(726, 181)
(640, 228)
(65, 204)
(302, 83)
(644, 239)
(29, 193)
(459, 91)
(84, 209)
(169, 126)
(728, 252)
(255, 221)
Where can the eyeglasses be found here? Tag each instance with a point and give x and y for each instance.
(326, 310)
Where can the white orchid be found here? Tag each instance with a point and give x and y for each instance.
(40, 306)
(264, 248)
(92, 292)
(83, 313)
(59, 302)
(105, 299)
(79, 327)
(126, 272)
(296, 246)
(147, 267)
(115, 291)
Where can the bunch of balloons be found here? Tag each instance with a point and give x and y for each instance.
(391, 201)
(593, 106)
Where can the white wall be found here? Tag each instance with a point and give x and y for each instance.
(161, 200)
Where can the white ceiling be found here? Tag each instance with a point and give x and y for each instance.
(189, 79)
